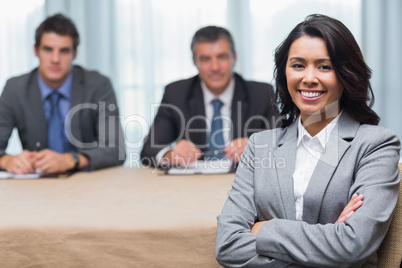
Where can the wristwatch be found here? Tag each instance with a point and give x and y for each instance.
(76, 158)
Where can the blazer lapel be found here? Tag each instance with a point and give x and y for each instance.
(240, 107)
(77, 97)
(337, 145)
(285, 157)
(34, 98)
(197, 110)
(77, 88)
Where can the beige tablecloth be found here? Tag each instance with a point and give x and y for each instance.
(117, 217)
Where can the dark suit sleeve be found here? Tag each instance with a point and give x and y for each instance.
(109, 149)
(262, 112)
(6, 116)
(164, 130)
(270, 108)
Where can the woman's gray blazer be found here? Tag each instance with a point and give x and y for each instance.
(357, 159)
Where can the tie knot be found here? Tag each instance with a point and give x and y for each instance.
(54, 97)
(217, 103)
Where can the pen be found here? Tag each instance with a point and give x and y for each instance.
(37, 149)
(212, 153)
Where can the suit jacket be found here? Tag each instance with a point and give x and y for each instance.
(95, 124)
(181, 114)
(357, 159)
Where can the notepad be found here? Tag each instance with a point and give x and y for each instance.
(8, 175)
(220, 166)
(62, 175)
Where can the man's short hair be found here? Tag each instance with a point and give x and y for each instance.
(212, 34)
(60, 25)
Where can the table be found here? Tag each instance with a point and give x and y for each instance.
(116, 217)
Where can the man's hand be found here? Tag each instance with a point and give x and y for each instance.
(48, 161)
(235, 149)
(351, 207)
(22, 163)
(183, 153)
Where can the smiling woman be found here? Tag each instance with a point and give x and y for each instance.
(312, 83)
(323, 58)
(325, 207)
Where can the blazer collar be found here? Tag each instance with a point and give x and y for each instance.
(240, 107)
(78, 91)
(338, 143)
(196, 110)
(195, 93)
(77, 87)
(196, 99)
(284, 159)
(34, 97)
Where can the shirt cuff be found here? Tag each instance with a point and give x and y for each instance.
(161, 153)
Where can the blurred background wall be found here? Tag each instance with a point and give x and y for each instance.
(142, 45)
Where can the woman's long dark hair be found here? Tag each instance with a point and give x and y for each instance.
(348, 63)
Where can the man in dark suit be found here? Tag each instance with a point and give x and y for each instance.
(183, 129)
(66, 116)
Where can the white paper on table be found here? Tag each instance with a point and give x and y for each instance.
(220, 166)
(4, 175)
(8, 175)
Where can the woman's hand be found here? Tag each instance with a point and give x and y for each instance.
(351, 207)
(257, 226)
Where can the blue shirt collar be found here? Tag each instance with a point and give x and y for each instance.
(64, 89)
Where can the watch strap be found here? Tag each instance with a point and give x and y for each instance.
(76, 158)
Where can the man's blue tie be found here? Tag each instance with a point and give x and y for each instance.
(216, 141)
(55, 131)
